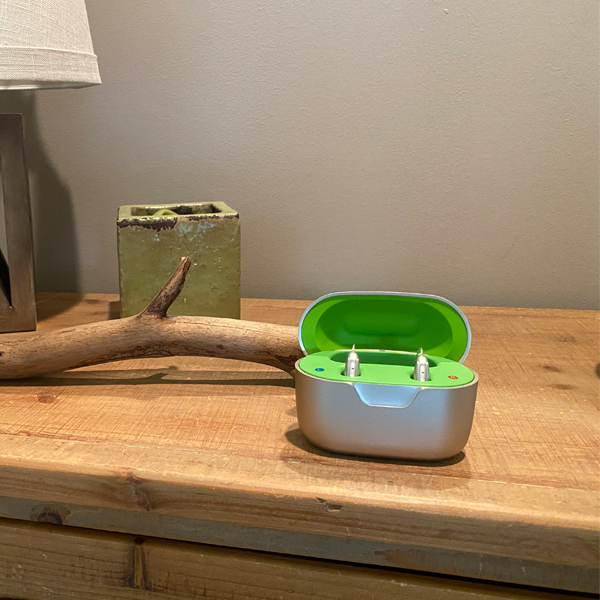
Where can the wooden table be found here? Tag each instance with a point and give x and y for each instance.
(108, 473)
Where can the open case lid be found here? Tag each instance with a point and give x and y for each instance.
(385, 321)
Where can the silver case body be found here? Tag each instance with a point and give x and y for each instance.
(392, 421)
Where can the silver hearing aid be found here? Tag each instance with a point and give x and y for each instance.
(421, 372)
(352, 368)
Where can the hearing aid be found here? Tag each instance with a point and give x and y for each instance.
(352, 368)
(421, 370)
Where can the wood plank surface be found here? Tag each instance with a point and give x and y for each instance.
(210, 450)
(38, 562)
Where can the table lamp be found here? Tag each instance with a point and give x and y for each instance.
(43, 44)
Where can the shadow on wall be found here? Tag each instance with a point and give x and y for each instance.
(55, 242)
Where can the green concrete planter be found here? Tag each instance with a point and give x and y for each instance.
(151, 241)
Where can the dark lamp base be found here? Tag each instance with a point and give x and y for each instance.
(17, 293)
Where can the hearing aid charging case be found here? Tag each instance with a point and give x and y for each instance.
(384, 412)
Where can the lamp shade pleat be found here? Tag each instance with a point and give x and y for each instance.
(45, 44)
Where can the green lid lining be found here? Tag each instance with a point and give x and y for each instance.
(386, 321)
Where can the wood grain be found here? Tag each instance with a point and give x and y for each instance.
(45, 561)
(209, 450)
(17, 296)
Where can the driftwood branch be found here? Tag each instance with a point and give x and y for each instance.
(163, 300)
(150, 334)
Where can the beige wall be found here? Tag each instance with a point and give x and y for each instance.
(448, 147)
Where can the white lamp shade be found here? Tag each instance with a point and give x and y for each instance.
(46, 44)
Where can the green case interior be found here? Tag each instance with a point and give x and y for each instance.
(387, 330)
(385, 367)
